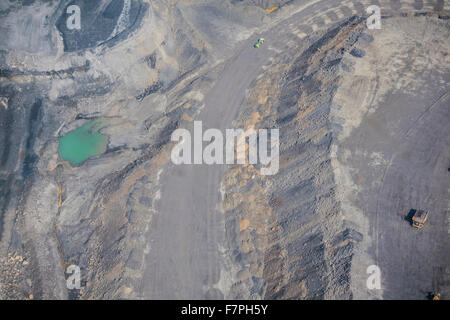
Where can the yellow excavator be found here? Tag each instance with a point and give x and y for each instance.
(270, 10)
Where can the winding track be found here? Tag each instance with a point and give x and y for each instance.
(185, 259)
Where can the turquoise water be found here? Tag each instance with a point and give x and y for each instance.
(83, 143)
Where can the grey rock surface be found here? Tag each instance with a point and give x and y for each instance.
(364, 138)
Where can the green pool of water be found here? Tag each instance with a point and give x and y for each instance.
(82, 143)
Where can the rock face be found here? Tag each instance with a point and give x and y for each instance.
(145, 68)
(103, 21)
(296, 242)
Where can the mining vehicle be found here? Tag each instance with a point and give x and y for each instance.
(419, 218)
(259, 43)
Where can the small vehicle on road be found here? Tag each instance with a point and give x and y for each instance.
(419, 218)
(259, 43)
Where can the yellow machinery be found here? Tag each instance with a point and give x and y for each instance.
(419, 218)
(59, 196)
(271, 9)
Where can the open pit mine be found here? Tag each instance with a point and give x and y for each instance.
(311, 141)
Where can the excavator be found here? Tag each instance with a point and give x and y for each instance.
(270, 10)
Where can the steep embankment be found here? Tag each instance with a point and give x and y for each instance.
(290, 234)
